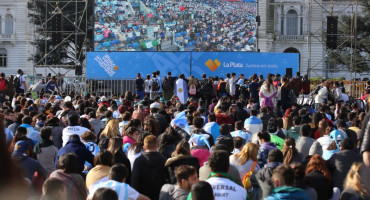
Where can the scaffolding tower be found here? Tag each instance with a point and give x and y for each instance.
(60, 28)
(338, 8)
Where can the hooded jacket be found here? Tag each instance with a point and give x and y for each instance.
(262, 180)
(149, 174)
(288, 192)
(77, 147)
(263, 153)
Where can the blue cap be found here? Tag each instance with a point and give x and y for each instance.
(20, 147)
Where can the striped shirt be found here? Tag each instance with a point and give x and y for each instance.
(124, 191)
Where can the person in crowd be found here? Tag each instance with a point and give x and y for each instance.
(186, 176)
(301, 182)
(57, 131)
(219, 163)
(283, 180)
(294, 131)
(45, 150)
(51, 85)
(253, 89)
(116, 148)
(267, 93)
(111, 130)
(266, 146)
(354, 187)
(139, 86)
(297, 84)
(253, 125)
(262, 186)
(290, 152)
(73, 128)
(322, 94)
(306, 145)
(103, 161)
(239, 132)
(95, 122)
(29, 165)
(201, 191)
(341, 162)
(20, 84)
(181, 156)
(212, 127)
(68, 171)
(168, 86)
(31, 132)
(74, 145)
(319, 177)
(118, 174)
(246, 160)
(54, 189)
(105, 194)
(140, 113)
(149, 173)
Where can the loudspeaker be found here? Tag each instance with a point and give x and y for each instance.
(78, 70)
(56, 28)
(258, 20)
(289, 72)
(331, 31)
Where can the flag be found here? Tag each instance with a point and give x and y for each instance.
(278, 141)
(180, 121)
(199, 140)
(181, 90)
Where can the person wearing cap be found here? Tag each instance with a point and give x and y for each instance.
(104, 101)
(340, 162)
(51, 85)
(28, 165)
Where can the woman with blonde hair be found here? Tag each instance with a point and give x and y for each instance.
(290, 153)
(245, 159)
(354, 187)
(111, 130)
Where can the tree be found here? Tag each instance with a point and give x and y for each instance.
(66, 47)
(354, 55)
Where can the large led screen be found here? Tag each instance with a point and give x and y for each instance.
(175, 25)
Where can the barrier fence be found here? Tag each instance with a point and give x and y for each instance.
(109, 86)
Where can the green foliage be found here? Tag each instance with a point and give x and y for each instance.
(347, 47)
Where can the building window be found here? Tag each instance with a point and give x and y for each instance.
(9, 24)
(1, 24)
(2, 57)
(292, 22)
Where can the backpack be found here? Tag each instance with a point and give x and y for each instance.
(3, 84)
(16, 82)
(246, 179)
(292, 99)
(167, 84)
(206, 87)
(192, 89)
(154, 86)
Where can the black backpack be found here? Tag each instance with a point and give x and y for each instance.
(167, 84)
(154, 86)
(16, 82)
(206, 87)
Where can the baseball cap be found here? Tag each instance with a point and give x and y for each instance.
(155, 105)
(20, 147)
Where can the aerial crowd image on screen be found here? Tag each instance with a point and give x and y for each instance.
(175, 25)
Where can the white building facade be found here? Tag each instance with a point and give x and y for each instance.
(15, 37)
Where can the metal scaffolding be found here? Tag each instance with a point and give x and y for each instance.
(70, 13)
(337, 8)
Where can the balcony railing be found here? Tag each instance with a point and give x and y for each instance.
(6, 37)
(291, 37)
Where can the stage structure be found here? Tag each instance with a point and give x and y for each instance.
(60, 34)
(329, 35)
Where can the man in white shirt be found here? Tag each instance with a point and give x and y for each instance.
(73, 128)
(22, 83)
(117, 177)
(224, 187)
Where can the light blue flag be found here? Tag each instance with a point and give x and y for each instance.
(180, 121)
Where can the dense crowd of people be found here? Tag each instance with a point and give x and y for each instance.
(210, 25)
(184, 138)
